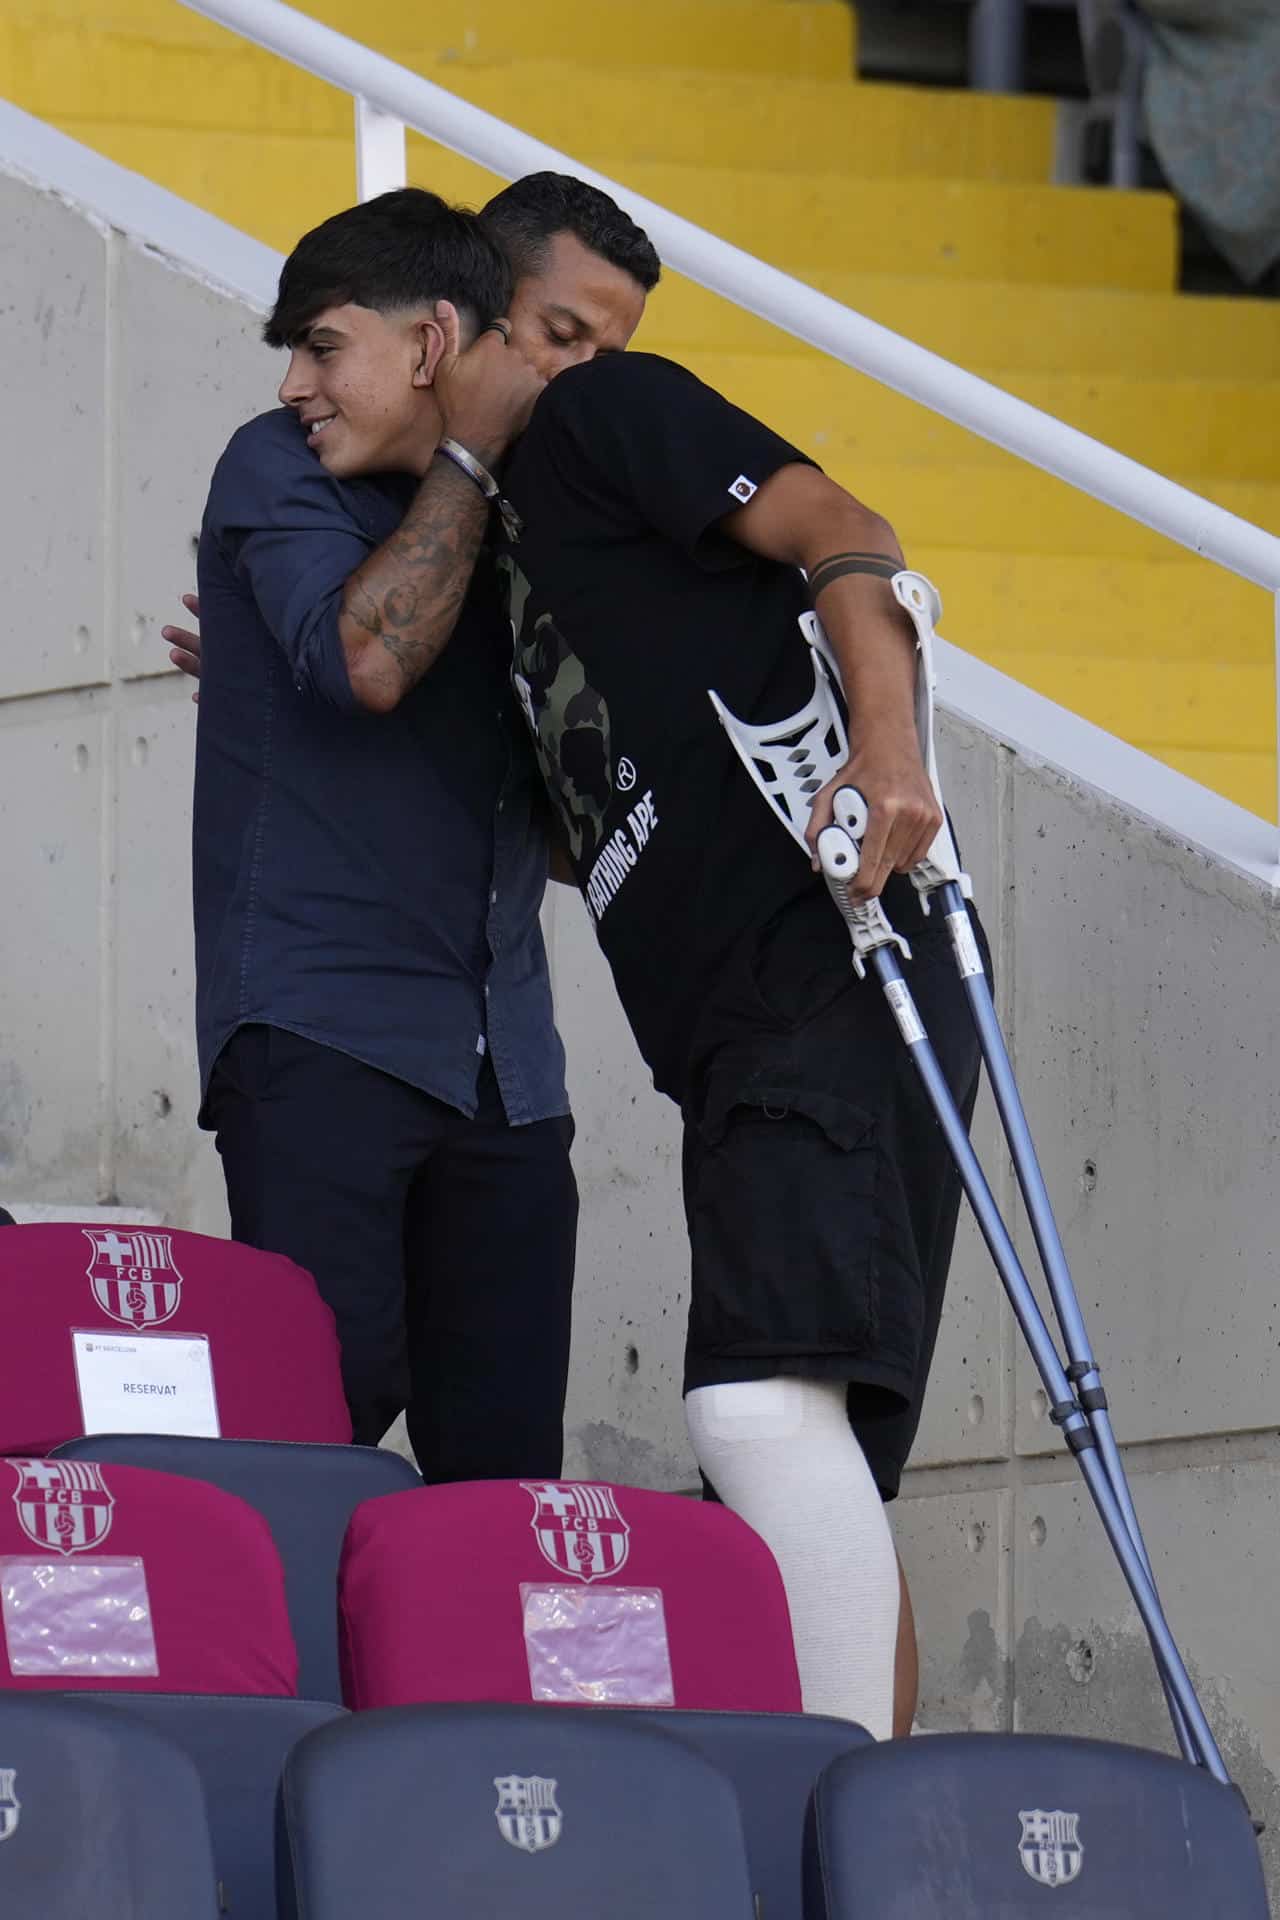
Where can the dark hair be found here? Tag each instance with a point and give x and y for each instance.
(404, 249)
(525, 217)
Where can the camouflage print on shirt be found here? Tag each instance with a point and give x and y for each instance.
(568, 719)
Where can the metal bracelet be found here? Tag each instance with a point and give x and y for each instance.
(466, 461)
(455, 451)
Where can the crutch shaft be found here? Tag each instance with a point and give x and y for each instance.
(1013, 1117)
(1195, 1736)
(1082, 1371)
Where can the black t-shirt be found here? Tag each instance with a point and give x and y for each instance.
(627, 604)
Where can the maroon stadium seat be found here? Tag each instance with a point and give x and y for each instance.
(507, 1590)
(272, 1346)
(124, 1578)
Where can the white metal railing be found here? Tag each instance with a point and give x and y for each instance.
(388, 98)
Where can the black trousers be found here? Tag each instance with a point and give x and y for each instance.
(443, 1245)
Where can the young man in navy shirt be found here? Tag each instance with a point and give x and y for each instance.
(377, 1052)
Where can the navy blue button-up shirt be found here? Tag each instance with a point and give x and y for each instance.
(371, 882)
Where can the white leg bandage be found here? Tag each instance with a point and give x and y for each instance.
(781, 1454)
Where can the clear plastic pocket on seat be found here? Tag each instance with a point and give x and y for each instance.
(597, 1646)
(77, 1618)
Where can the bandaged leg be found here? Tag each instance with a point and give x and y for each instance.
(781, 1454)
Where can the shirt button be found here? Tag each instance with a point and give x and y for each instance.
(493, 898)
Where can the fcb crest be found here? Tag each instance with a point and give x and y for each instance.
(1050, 1847)
(578, 1529)
(62, 1504)
(133, 1276)
(10, 1805)
(526, 1813)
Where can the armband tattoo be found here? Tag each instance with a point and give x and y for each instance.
(840, 564)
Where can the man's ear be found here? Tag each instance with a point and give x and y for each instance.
(439, 339)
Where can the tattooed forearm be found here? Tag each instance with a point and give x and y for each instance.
(839, 565)
(359, 607)
(400, 607)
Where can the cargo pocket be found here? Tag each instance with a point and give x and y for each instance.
(784, 1220)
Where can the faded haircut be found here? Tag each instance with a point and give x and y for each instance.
(525, 217)
(404, 249)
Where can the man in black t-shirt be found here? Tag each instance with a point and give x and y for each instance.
(660, 555)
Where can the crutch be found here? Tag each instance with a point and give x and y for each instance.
(789, 763)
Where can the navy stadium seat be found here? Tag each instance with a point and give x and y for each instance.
(977, 1825)
(100, 1819)
(475, 1812)
(773, 1760)
(238, 1747)
(306, 1494)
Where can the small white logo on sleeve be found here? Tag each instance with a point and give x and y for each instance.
(742, 488)
(626, 774)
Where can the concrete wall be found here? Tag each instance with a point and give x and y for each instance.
(1136, 960)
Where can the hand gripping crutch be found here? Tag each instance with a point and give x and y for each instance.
(789, 763)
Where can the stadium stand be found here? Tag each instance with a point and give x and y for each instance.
(121, 1577)
(561, 1591)
(98, 1820)
(238, 1747)
(947, 228)
(931, 210)
(306, 1494)
(530, 1814)
(63, 1288)
(984, 1824)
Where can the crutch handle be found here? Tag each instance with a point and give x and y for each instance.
(851, 812)
(866, 920)
(922, 604)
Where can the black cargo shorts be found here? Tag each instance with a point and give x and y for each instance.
(820, 1196)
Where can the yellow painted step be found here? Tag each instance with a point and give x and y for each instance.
(1222, 427)
(1174, 658)
(750, 120)
(1009, 507)
(1156, 705)
(984, 323)
(1066, 236)
(965, 229)
(810, 37)
(273, 186)
(1184, 610)
(1184, 614)
(1247, 778)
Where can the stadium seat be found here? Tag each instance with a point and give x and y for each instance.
(578, 1593)
(774, 1761)
(984, 1824)
(272, 1350)
(238, 1747)
(470, 1813)
(120, 1577)
(99, 1819)
(305, 1494)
